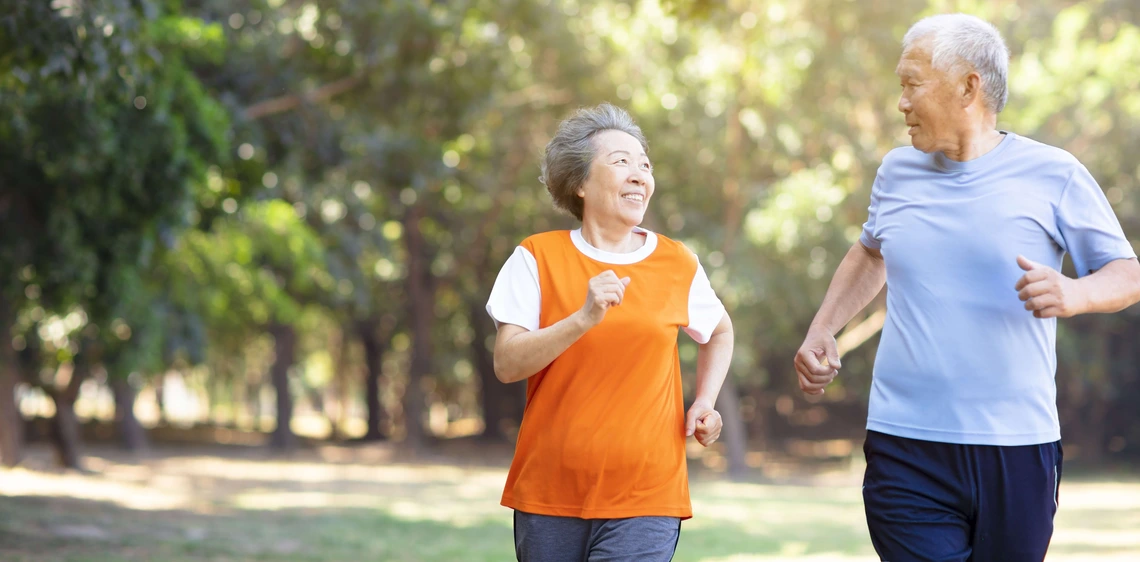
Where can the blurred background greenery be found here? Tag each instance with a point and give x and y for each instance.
(276, 222)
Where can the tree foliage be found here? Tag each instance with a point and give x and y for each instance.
(211, 172)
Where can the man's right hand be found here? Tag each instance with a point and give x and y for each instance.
(817, 361)
(604, 291)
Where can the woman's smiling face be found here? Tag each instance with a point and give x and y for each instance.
(620, 182)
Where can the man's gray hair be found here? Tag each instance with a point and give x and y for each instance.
(566, 164)
(962, 43)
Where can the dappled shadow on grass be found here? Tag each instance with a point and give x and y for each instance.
(50, 529)
(210, 504)
(726, 541)
(41, 529)
(38, 529)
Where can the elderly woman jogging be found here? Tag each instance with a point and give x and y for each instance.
(589, 318)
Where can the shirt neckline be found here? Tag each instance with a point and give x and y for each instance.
(945, 163)
(612, 257)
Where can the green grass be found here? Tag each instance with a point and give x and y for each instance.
(221, 508)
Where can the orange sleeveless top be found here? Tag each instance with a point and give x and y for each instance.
(602, 436)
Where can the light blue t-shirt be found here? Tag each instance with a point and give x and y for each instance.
(960, 359)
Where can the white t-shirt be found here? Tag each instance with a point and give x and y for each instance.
(517, 297)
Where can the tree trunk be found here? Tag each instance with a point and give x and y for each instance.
(339, 342)
(491, 390)
(65, 424)
(502, 403)
(373, 361)
(421, 310)
(253, 403)
(131, 432)
(65, 435)
(735, 435)
(11, 423)
(728, 401)
(160, 398)
(285, 340)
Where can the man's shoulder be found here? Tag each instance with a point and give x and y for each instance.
(904, 157)
(903, 154)
(1025, 148)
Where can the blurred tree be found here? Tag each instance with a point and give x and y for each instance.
(103, 132)
(383, 167)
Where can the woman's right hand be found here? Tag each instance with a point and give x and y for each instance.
(604, 291)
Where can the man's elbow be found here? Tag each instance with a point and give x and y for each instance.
(1133, 282)
(873, 253)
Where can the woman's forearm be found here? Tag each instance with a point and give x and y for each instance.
(713, 360)
(520, 353)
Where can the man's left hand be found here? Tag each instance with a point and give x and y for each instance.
(704, 422)
(1048, 293)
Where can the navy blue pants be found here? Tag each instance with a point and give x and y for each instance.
(929, 501)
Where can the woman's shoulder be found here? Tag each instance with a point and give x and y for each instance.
(675, 248)
(546, 239)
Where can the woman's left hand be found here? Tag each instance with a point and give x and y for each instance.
(704, 422)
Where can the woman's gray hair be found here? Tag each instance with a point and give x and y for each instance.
(566, 164)
(962, 43)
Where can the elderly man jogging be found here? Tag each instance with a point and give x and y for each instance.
(968, 229)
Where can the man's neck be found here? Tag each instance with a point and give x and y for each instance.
(975, 142)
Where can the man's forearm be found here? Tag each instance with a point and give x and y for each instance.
(1112, 288)
(860, 276)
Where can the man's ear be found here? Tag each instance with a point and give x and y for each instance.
(971, 88)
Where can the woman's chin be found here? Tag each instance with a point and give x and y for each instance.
(632, 223)
(633, 218)
(625, 217)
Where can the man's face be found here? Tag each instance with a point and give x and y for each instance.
(928, 101)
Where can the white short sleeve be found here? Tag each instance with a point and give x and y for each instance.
(516, 297)
(705, 308)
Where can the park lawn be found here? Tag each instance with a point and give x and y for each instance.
(220, 507)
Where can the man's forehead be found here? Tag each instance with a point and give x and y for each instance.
(912, 61)
(906, 67)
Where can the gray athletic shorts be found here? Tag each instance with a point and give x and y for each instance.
(545, 538)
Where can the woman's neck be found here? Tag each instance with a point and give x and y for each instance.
(615, 239)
